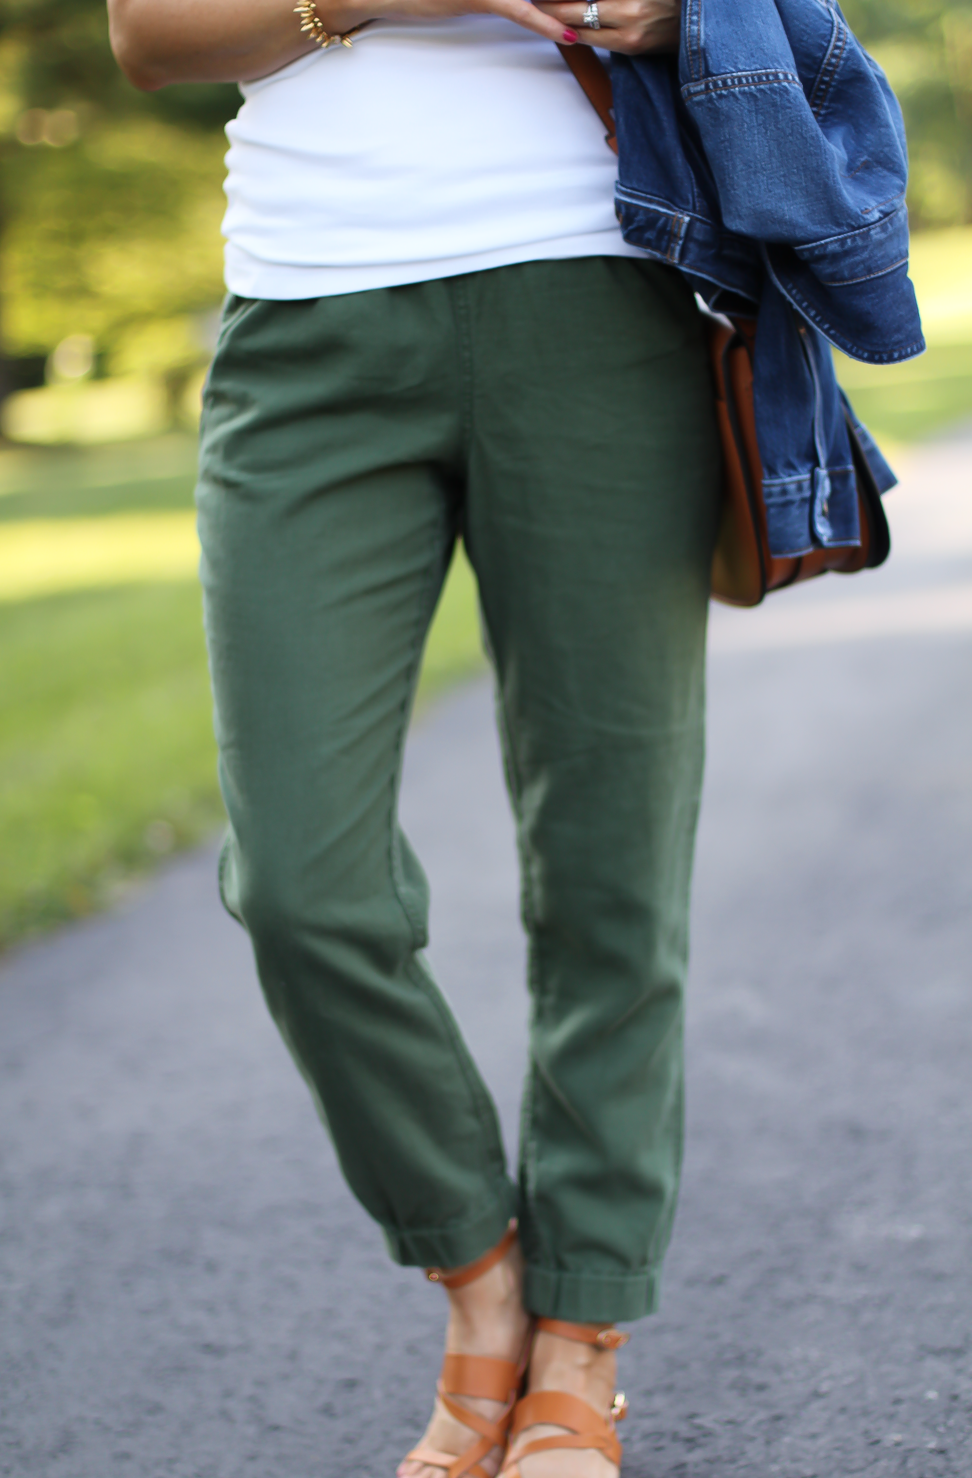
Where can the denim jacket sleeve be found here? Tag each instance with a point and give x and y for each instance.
(806, 145)
(768, 163)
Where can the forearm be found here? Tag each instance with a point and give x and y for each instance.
(158, 42)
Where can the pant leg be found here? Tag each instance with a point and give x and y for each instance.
(591, 519)
(327, 506)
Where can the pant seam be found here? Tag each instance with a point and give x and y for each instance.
(414, 663)
(590, 1275)
(482, 1106)
(394, 1228)
(464, 356)
(221, 865)
(481, 1103)
(528, 1150)
(590, 1297)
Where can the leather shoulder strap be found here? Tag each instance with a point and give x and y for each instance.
(595, 79)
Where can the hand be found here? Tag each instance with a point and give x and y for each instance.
(630, 26)
(541, 19)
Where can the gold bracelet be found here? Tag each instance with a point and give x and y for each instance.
(311, 23)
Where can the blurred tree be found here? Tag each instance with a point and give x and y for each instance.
(925, 47)
(55, 54)
(117, 228)
(109, 198)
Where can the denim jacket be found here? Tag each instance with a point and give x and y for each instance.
(768, 163)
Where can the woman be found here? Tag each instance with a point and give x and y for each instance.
(434, 327)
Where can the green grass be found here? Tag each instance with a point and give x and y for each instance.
(905, 402)
(68, 482)
(106, 748)
(107, 758)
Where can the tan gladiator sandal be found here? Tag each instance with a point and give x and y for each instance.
(480, 1376)
(586, 1428)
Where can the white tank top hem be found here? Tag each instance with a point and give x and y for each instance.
(249, 278)
(431, 149)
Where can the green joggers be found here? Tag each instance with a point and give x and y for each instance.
(557, 414)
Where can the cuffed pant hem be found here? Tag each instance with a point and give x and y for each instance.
(589, 1298)
(454, 1246)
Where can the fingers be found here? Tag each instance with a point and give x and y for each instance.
(571, 12)
(632, 41)
(629, 26)
(531, 17)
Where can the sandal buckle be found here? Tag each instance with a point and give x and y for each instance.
(611, 1339)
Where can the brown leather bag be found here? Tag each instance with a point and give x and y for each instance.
(743, 568)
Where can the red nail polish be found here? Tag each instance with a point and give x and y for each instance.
(570, 36)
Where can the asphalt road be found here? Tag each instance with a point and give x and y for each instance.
(186, 1287)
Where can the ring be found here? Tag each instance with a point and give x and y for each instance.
(592, 21)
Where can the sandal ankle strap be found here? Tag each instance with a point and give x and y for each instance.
(459, 1277)
(605, 1338)
(585, 1428)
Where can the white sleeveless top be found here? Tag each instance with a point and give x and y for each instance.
(428, 149)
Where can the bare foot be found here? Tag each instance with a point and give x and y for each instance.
(485, 1318)
(582, 1370)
